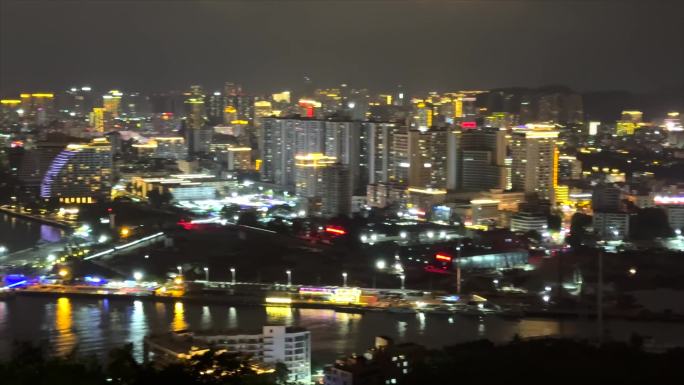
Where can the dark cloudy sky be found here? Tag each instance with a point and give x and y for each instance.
(268, 45)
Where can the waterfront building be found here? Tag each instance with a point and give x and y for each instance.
(81, 173)
(272, 344)
(386, 363)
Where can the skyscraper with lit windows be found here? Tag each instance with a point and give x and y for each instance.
(534, 167)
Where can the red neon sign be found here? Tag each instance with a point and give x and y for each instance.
(468, 125)
(443, 257)
(335, 230)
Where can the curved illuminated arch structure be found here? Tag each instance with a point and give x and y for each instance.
(61, 160)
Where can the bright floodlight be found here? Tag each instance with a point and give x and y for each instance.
(380, 264)
(137, 275)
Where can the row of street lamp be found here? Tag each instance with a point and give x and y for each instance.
(138, 275)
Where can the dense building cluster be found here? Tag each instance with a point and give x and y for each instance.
(344, 151)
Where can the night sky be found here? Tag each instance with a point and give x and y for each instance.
(151, 45)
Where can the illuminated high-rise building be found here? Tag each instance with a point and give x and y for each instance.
(198, 136)
(675, 130)
(593, 128)
(342, 141)
(36, 161)
(81, 173)
(628, 123)
(309, 173)
(80, 101)
(263, 109)
(476, 160)
(195, 108)
(428, 158)
(4, 151)
(240, 108)
(422, 116)
(97, 119)
(377, 150)
(534, 167)
(38, 107)
(111, 102)
(399, 161)
(569, 167)
(10, 111)
(282, 97)
(170, 147)
(468, 102)
(325, 182)
(281, 140)
(215, 104)
(229, 114)
(231, 156)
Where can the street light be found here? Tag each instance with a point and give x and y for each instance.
(403, 279)
(137, 275)
(344, 279)
(180, 269)
(206, 274)
(289, 277)
(232, 272)
(380, 264)
(125, 232)
(63, 273)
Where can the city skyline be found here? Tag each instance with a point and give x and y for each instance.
(378, 44)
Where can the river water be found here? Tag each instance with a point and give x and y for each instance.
(18, 234)
(94, 326)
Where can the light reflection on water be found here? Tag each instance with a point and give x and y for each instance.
(279, 314)
(232, 318)
(95, 326)
(65, 338)
(179, 317)
(18, 234)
